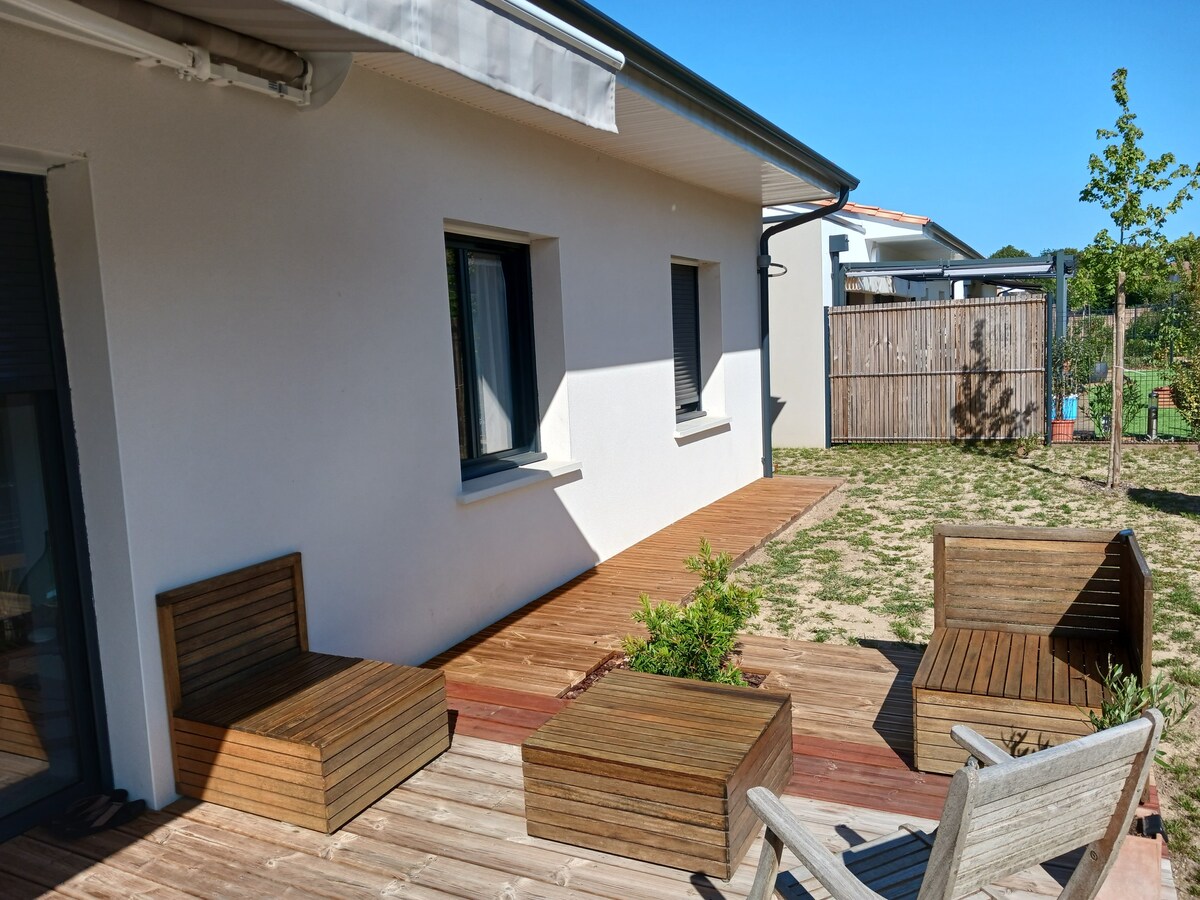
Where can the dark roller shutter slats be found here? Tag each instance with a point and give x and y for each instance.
(26, 363)
(685, 319)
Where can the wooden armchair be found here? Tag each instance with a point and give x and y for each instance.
(1014, 813)
(1027, 622)
(261, 724)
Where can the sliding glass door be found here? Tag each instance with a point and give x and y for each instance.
(50, 748)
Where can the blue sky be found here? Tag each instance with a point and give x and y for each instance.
(981, 116)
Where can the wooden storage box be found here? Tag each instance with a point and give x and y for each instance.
(657, 769)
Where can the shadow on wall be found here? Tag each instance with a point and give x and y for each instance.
(984, 407)
(777, 405)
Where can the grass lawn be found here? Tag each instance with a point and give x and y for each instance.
(1171, 423)
(861, 563)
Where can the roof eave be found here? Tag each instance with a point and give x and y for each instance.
(650, 62)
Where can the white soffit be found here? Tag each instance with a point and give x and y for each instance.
(507, 46)
(665, 134)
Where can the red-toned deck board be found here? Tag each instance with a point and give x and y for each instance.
(549, 643)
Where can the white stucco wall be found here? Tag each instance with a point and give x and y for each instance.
(255, 310)
(799, 297)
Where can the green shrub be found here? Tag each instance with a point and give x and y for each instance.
(1127, 698)
(1100, 403)
(1185, 391)
(696, 640)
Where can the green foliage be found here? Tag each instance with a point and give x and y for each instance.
(1100, 403)
(1184, 335)
(1128, 698)
(696, 640)
(1123, 179)
(1075, 355)
(1008, 251)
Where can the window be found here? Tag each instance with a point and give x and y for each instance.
(494, 376)
(685, 320)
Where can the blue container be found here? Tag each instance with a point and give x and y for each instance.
(1070, 407)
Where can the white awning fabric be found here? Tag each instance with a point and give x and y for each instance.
(511, 46)
(871, 284)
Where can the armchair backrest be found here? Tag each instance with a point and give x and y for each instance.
(217, 631)
(1007, 817)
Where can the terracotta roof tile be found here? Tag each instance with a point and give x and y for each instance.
(877, 213)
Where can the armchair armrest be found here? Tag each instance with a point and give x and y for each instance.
(978, 746)
(782, 828)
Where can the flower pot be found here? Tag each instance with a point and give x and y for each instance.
(1062, 431)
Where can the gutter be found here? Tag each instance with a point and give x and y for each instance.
(764, 309)
(648, 62)
(936, 232)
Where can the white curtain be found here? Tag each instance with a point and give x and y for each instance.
(493, 362)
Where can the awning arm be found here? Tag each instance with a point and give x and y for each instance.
(79, 23)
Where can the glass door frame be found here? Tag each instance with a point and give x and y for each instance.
(60, 460)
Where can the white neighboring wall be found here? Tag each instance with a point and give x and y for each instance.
(798, 299)
(256, 317)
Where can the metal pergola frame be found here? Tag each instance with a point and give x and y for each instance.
(1004, 272)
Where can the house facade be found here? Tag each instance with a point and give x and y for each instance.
(451, 341)
(800, 295)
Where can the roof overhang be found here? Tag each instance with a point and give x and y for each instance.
(561, 67)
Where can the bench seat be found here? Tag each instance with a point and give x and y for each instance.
(1027, 622)
(307, 738)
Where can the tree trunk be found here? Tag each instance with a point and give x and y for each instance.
(1118, 385)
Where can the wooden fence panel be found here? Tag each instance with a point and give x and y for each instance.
(921, 371)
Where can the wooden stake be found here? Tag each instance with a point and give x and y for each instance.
(1118, 385)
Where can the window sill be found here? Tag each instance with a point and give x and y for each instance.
(701, 427)
(508, 480)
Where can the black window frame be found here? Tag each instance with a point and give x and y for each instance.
(685, 348)
(514, 258)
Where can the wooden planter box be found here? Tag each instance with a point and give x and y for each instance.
(657, 769)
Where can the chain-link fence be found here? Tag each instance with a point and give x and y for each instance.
(1149, 410)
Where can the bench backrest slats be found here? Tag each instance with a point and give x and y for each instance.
(1016, 814)
(1137, 609)
(218, 631)
(1068, 582)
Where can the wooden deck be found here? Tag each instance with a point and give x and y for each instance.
(455, 829)
(548, 645)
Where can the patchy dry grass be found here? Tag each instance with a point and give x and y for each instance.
(860, 565)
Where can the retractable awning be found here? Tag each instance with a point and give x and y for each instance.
(509, 45)
(561, 67)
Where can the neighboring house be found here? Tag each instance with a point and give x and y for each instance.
(482, 315)
(799, 297)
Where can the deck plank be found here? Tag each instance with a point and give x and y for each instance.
(455, 829)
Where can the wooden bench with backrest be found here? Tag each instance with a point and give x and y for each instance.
(1027, 622)
(262, 724)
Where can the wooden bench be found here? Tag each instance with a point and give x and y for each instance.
(657, 769)
(1026, 622)
(261, 724)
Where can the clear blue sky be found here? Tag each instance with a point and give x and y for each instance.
(979, 115)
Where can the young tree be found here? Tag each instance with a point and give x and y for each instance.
(1126, 183)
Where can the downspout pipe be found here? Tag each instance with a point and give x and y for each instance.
(764, 311)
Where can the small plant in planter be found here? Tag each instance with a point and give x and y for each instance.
(696, 640)
(1128, 698)
(1075, 356)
